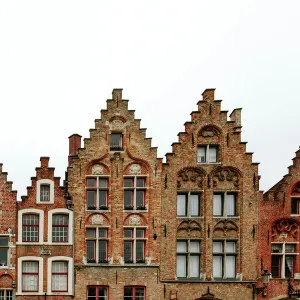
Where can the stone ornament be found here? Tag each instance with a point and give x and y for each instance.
(286, 227)
(97, 220)
(226, 174)
(134, 220)
(296, 189)
(97, 169)
(209, 131)
(135, 169)
(226, 227)
(188, 226)
(117, 125)
(191, 176)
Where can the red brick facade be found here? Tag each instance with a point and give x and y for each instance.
(195, 227)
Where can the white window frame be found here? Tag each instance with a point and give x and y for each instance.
(41, 275)
(224, 200)
(38, 191)
(207, 156)
(35, 211)
(134, 188)
(63, 211)
(188, 204)
(5, 293)
(67, 259)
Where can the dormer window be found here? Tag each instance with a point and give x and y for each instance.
(45, 192)
(116, 142)
(207, 154)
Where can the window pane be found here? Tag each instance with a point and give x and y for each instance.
(45, 192)
(217, 205)
(289, 266)
(217, 266)
(102, 198)
(3, 241)
(59, 276)
(140, 198)
(275, 268)
(194, 204)
(91, 233)
(128, 182)
(181, 246)
(289, 248)
(140, 233)
(230, 247)
(212, 154)
(102, 182)
(140, 250)
(230, 205)
(194, 266)
(91, 197)
(230, 266)
(194, 246)
(140, 182)
(181, 205)
(102, 233)
(92, 293)
(3, 256)
(139, 293)
(277, 248)
(30, 276)
(116, 140)
(102, 291)
(128, 233)
(102, 250)
(181, 266)
(91, 182)
(128, 291)
(127, 251)
(201, 154)
(217, 247)
(295, 206)
(128, 195)
(90, 249)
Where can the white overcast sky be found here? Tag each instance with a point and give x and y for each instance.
(60, 60)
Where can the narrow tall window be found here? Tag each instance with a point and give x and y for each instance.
(30, 276)
(224, 204)
(207, 154)
(59, 275)
(188, 204)
(188, 258)
(134, 245)
(134, 293)
(116, 142)
(44, 192)
(295, 209)
(97, 293)
(283, 260)
(224, 259)
(134, 193)
(30, 228)
(60, 228)
(3, 251)
(97, 193)
(96, 245)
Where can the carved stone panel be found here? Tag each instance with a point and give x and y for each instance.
(134, 220)
(117, 125)
(225, 228)
(226, 178)
(287, 228)
(135, 169)
(209, 131)
(189, 228)
(190, 178)
(97, 169)
(97, 220)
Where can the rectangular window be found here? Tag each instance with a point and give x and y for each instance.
(207, 154)
(30, 228)
(134, 293)
(97, 193)
(188, 259)
(295, 209)
(59, 276)
(283, 260)
(134, 193)
(60, 228)
(97, 293)
(6, 294)
(30, 276)
(134, 245)
(3, 251)
(116, 142)
(45, 192)
(96, 245)
(224, 259)
(188, 204)
(224, 204)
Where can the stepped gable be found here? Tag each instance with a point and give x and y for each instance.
(8, 202)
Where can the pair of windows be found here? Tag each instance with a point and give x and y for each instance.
(188, 259)
(134, 245)
(6, 294)
(134, 193)
(31, 227)
(4, 251)
(130, 293)
(97, 193)
(188, 204)
(207, 154)
(96, 245)
(30, 276)
(283, 260)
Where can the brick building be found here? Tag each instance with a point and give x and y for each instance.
(125, 225)
(8, 203)
(44, 239)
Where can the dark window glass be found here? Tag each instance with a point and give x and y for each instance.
(276, 262)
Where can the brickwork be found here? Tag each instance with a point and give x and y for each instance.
(8, 199)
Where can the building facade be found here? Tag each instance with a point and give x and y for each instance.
(126, 225)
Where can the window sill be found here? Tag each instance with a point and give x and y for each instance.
(97, 210)
(209, 163)
(135, 210)
(190, 217)
(29, 243)
(225, 217)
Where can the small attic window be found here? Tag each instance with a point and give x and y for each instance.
(45, 192)
(116, 142)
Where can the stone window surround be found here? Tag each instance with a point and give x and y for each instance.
(38, 191)
(67, 259)
(38, 212)
(41, 275)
